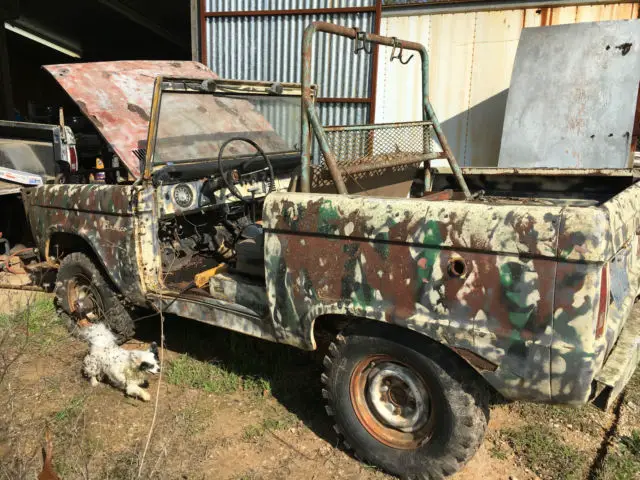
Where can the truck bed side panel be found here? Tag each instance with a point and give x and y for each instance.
(390, 260)
(103, 215)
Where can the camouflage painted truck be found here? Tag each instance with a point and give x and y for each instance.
(433, 283)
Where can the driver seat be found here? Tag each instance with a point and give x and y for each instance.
(250, 251)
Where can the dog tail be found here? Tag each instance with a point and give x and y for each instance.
(48, 473)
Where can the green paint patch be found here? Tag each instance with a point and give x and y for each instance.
(328, 215)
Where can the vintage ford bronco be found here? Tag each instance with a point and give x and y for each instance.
(435, 283)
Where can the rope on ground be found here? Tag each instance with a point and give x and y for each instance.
(155, 408)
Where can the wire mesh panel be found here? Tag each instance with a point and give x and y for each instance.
(365, 151)
(379, 144)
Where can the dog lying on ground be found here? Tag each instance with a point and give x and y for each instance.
(124, 369)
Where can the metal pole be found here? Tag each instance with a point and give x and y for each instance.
(307, 100)
(308, 114)
(430, 115)
(329, 157)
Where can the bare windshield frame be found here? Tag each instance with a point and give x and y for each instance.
(208, 87)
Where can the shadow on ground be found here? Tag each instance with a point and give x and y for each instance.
(293, 374)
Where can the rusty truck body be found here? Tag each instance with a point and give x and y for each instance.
(433, 281)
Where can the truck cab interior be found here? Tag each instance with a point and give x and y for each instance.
(216, 148)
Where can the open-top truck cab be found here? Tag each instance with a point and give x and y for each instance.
(433, 282)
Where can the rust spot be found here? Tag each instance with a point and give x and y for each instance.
(446, 194)
(475, 360)
(140, 111)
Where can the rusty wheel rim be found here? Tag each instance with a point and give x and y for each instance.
(85, 303)
(392, 402)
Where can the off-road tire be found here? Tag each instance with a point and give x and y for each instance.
(455, 390)
(117, 318)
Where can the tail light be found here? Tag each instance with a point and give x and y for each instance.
(73, 159)
(604, 301)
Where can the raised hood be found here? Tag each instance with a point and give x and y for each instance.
(116, 98)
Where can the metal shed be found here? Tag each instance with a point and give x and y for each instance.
(471, 43)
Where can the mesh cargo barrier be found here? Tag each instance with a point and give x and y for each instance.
(372, 148)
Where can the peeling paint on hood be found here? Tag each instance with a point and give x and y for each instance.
(116, 98)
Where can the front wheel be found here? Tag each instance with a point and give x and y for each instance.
(83, 296)
(403, 403)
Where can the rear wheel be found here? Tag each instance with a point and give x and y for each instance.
(83, 297)
(403, 403)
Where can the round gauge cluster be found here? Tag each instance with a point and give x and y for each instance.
(183, 195)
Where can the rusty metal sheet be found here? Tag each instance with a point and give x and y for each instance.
(573, 96)
(116, 97)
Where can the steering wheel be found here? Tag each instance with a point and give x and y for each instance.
(231, 184)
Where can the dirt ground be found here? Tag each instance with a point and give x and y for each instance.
(233, 407)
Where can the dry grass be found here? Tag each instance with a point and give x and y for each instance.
(233, 407)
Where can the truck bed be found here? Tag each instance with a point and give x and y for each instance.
(538, 186)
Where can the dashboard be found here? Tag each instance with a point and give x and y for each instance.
(184, 197)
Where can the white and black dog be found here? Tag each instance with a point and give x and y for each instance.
(124, 369)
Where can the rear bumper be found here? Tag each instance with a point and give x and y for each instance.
(620, 364)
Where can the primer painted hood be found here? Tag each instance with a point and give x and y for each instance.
(116, 98)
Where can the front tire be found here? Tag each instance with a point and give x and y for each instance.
(83, 295)
(403, 403)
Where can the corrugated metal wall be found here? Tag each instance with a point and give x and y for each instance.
(268, 48)
(259, 46)
(254, 5)
(471, 59)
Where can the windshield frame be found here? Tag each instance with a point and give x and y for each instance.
(218, 87)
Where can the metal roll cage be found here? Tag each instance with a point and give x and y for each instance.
(311, 122)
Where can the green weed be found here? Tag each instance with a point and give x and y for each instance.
(497, 452)
(584, 419)
(70, 411)
(624, 462)
(210, 377)
(631, 443)
(541, 450)
(253, 432)
(37, 324)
